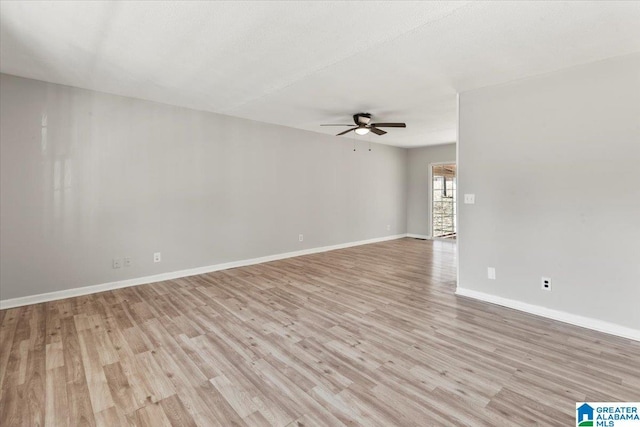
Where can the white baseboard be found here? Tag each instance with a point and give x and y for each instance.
(573, 319)
(419, 236)
(86, 290)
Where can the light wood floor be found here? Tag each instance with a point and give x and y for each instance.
(371, 335)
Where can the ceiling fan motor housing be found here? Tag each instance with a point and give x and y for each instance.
(362, 118)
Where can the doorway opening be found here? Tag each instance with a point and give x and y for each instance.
(443, 201)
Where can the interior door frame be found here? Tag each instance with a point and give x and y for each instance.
(430, 197)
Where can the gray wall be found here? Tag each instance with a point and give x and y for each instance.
(419, 189)
(554, 162)
(86, 177)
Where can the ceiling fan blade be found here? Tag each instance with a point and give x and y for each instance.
(347, 131)
(335, 125)
(389, 125)
(377, 131)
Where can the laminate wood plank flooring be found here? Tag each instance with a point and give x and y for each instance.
(371, 335)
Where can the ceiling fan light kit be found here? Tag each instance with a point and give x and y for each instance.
(363, 125)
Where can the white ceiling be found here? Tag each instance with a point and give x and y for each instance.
(301, 64)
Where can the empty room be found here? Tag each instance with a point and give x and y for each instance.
(319, 213)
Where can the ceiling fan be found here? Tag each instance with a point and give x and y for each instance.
(364, 126)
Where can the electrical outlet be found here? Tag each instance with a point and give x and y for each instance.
(491, 273)
(545, 283)
(117, 263)
(157, 257)
(300, 237)
(127, 262)
(469, 199)
(388, 227)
